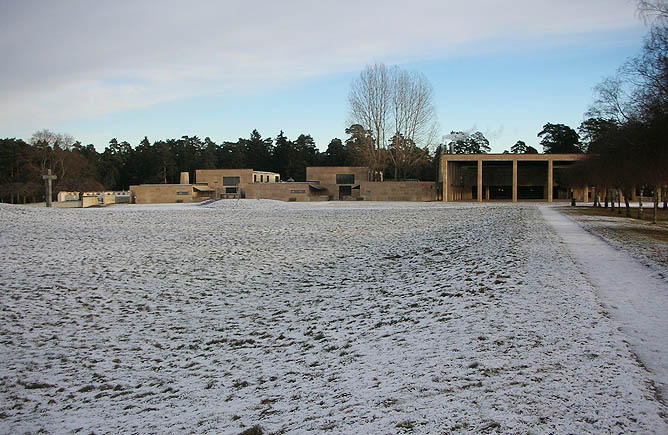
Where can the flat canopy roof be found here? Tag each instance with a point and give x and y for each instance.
(317, 187)
(511, 157)
(202, 189)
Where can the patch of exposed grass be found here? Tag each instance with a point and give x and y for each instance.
(255, 430)
(647, 213)
(656, 234)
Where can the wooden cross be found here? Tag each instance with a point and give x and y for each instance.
(48, 179)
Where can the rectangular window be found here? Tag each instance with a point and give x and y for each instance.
(183, 193)
(277, 179)
(297, 191)
(231, 181)
(254, 178)
(345, 178)
(230, 190)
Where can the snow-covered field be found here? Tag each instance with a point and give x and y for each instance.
(349, 317)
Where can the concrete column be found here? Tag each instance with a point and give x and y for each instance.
(479, 181)
(585, 194)
(446, 180)
(550, 179)
(514, 180)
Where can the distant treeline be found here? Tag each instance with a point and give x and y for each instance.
(82, 168)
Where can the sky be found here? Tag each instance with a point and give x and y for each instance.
(98, 70)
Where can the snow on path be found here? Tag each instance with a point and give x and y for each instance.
(629, 292)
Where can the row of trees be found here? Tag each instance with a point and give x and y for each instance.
(82, 168)
(555, 139)
(626, 132)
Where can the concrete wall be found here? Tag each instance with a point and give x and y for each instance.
(166, 193)
(67, 196)
(301, 192)
(89, 201)
(326, 176)
(214, 177)
(398, 190)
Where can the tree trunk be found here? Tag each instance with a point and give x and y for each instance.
(607, 196)
(655, 218)
(664, 192)
(612, 201)
(640, 204)
(626, 203)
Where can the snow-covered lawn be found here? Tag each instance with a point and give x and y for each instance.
(349, 317)
(646, 242)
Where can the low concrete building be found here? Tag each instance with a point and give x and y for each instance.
(397, 191)
(338, 180)
(286, 191)
(510, 177)
(355, 182)
(93, 199)
(228, 183)
(170, 193)
(68, 196)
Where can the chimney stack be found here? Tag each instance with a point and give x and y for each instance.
(185, 177)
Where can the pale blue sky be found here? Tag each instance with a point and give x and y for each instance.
(221, 69)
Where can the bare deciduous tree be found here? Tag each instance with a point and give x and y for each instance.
(395, 106)
(653, 9)
(51, 147)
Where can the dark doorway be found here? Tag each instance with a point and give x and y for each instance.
(345, 191)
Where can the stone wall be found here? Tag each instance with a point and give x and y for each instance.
(300, 192)
(166, 193)
(326, 176)
(398, 190)
(214, 177)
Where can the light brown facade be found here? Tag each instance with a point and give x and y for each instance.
(170, 193)
(323, 184)
(398, 190)
(338, 180)
(514, 177)
(229, 183)
(299, 192)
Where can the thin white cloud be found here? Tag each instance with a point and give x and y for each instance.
(73, 59)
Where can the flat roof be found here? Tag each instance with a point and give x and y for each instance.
(511, 157)
(161, 184)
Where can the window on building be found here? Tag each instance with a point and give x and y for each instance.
(230, 190)
(345, 178)
(231, 181)
(254, 178)
(297, 191)
(182, 193)
(276, 179)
